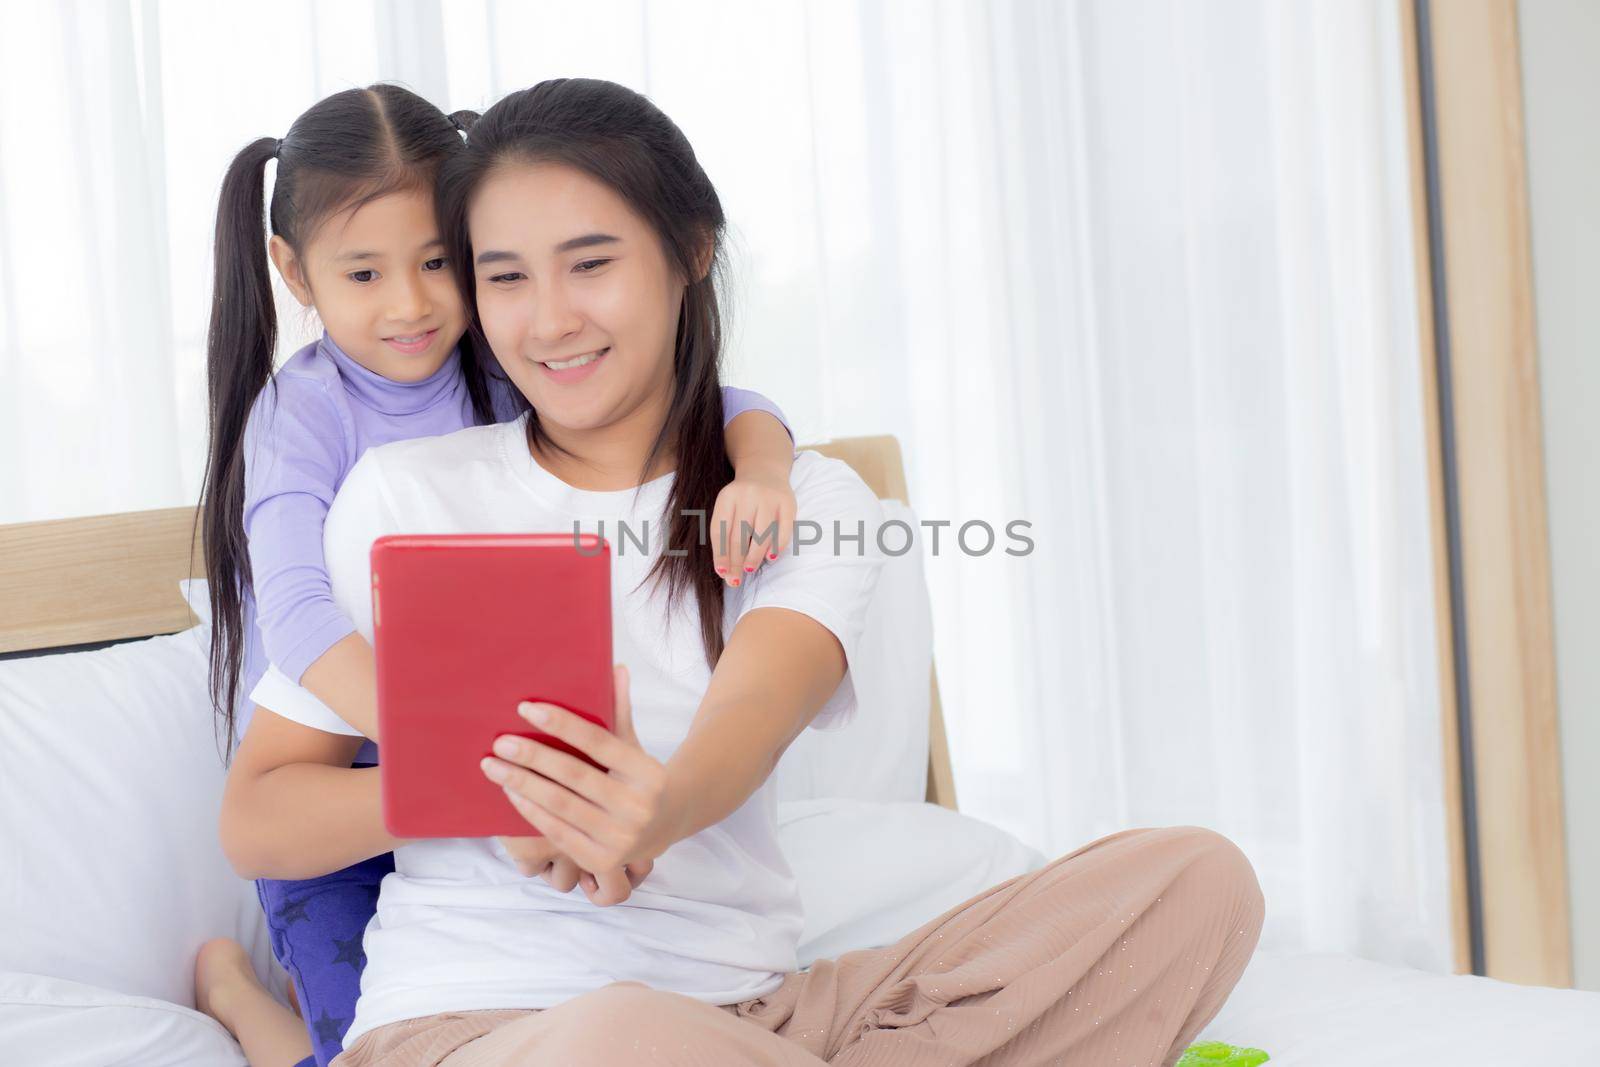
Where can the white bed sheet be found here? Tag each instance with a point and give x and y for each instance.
(52, 1022)
(1306, 1010)
(1330, 1010)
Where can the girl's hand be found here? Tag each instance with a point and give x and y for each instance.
(602, 820)
(537, 856)
(751, 522)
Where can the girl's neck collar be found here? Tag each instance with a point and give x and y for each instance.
(386, 395)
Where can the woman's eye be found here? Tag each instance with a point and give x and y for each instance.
(362, 276)
(509, 276)
(590, 265)
(435, 264)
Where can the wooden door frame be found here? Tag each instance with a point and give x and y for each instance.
(1509, 891)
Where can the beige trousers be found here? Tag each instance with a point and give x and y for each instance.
(1116, 954)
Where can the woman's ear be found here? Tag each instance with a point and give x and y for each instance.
(290, 269)
(703, 255)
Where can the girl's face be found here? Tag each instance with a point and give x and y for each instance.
(576, 294)
(378, 279)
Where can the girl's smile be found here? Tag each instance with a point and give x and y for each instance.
(415, 343)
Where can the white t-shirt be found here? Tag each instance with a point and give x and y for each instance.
(719, 918)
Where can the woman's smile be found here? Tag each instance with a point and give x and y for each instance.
(573, 368)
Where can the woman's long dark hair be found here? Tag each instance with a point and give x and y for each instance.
(618, 137)
(347, 150)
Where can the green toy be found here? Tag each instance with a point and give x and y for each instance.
(1221, 1054)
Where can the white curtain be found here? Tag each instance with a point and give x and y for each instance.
(1138, 273)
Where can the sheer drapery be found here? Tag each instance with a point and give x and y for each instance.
(1136, 273)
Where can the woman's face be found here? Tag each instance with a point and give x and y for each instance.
(576, 294)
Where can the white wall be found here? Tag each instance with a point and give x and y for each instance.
(1561, 84)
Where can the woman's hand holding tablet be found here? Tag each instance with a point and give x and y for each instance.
(537, 857)
(610, 820)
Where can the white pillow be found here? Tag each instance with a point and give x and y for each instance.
(871, 872)
(110, 787)
(68, 1024)
(882, 754)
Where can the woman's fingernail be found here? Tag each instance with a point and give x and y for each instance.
(736, 581)
(722, 570)
(749, 569)
(494, 769)
(505, 747)
(772, 555)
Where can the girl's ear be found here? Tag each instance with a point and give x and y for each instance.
(289, 269)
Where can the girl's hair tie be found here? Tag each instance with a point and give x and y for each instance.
(277, 149)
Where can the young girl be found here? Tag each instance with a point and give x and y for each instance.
(580, 221)
(355, 236)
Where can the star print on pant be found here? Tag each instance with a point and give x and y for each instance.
(317, 927)
(330, 1030)
(294, 911)
(350, 952)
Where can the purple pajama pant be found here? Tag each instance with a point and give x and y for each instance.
(316, 927)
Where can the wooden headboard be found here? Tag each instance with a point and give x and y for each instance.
(72, 582)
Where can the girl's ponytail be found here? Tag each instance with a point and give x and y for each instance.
(239, 349)
(478, 365)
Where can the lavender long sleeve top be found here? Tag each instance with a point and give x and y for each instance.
(301, 440)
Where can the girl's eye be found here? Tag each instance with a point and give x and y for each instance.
(588, 266)
(509, 276)
(361, 276)
(435, 264)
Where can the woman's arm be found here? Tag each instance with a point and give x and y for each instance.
(777, 662)
(293, 807)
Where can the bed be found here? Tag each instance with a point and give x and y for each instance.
(110, 779)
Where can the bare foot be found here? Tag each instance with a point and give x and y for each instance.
(222, 977)
(226, 988)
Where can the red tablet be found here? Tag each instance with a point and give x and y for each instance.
(465, 627)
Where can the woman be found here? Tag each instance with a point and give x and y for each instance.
(589, 239)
